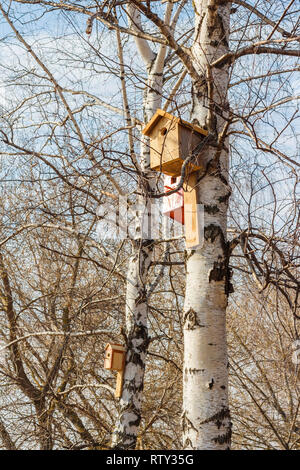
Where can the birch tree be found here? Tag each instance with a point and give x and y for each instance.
(206, 419)
(212, 62)
(137, 338)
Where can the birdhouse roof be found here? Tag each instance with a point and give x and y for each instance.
(160, 114)
(115, 346)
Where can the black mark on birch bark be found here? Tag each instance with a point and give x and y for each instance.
(141, 299)
(221, 415)
(211, 384)
(193, 371)
(218, 273)
(190, 320)
(132, 388)
(211, 232)
(225, 198)
(221, 269)
(187, 423)
(211, 209)
(223, 438)
(188, 444)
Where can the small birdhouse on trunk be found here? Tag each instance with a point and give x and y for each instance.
(115, 360)
(172, 141)
(114, 356)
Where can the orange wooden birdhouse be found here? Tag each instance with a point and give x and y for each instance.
(115, 360)
(114, 356)
(172, 140)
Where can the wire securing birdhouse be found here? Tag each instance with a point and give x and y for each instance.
(173, 205)
(172, 140)
(114, 356)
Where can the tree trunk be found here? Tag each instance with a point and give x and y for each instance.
(206, 417)
(126, 430)
(125, 434)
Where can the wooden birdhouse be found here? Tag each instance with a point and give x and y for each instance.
(115, 360)
(114, 356)
(171, 141)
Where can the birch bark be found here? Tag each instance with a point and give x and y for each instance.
(126, 430)
(206, 417)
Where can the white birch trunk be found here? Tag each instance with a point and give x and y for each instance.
(206, 418)
(126, 430)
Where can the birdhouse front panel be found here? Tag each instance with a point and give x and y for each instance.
(164, 152)
(171, 141)
(114, 357)
(108, 357)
